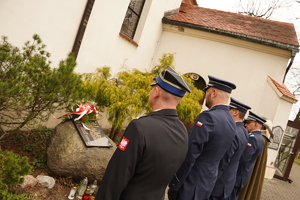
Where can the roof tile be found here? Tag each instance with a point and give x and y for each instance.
(276, 31)
(283, 89)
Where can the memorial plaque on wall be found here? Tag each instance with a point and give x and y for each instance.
(92, 134)
(277, 132)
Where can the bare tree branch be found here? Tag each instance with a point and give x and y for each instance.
(264, 9)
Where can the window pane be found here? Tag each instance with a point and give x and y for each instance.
(130, 23)
(137, 6)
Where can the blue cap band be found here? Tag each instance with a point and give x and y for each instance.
(169, 87)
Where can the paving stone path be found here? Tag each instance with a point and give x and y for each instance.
(275, 189)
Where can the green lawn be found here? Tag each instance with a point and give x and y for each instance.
(297, 160)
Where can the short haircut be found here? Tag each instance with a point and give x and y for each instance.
(168, 97)
(241, 114)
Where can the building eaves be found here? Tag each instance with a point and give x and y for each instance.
(267, 32)
(282, 91)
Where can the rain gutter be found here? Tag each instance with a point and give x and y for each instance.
(289, 65)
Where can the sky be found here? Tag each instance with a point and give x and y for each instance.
(289, 14)
(225, 5)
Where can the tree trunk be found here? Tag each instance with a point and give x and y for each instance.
(117, 133)
(114, 135)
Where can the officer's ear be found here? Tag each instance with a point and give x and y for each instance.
(157, 91)
(214, 92)
(236, 112)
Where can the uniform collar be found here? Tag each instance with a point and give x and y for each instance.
(164, 112)
(255, 132)
(239, 123)
(220, 106)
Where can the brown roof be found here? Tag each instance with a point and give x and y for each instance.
(283, 89)
(234, 24)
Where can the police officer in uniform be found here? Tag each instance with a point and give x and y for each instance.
(254, 147)
(152, 148)
(229, 163)
(253, 188)
(209, 139)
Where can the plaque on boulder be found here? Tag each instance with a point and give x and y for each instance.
(92, 134)
(85, 121)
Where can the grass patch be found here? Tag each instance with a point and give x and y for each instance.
(297, 160)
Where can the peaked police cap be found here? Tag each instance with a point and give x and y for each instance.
(220, 84)
(253, 117)
(172, 82)
(238, 105)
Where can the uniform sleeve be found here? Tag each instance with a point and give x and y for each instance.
(200, 134)
(253, 148)
(122, 165)
(225, 161)
(249, 153)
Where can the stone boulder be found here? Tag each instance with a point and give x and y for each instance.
(29, 181)
(68, 156)
(46, 181)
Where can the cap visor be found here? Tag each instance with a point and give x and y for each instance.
(153, 83)
(204, 89)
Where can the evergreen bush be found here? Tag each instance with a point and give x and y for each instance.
(30, 89)
(12, 168)
(126, 96)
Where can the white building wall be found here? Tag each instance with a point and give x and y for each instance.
(269, 102)
(277, 111)
(245, 67)
(55, 21)
(102, 44)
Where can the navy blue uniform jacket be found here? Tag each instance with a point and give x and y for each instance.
(209, 139)
(249, 156)
(156, 147)
(229, 164)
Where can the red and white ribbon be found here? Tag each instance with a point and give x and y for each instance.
(82, 110)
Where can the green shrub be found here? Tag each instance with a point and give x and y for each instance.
(113, 94)
(30, 88)
(34, 141)
(12, 168)
(297, 160)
